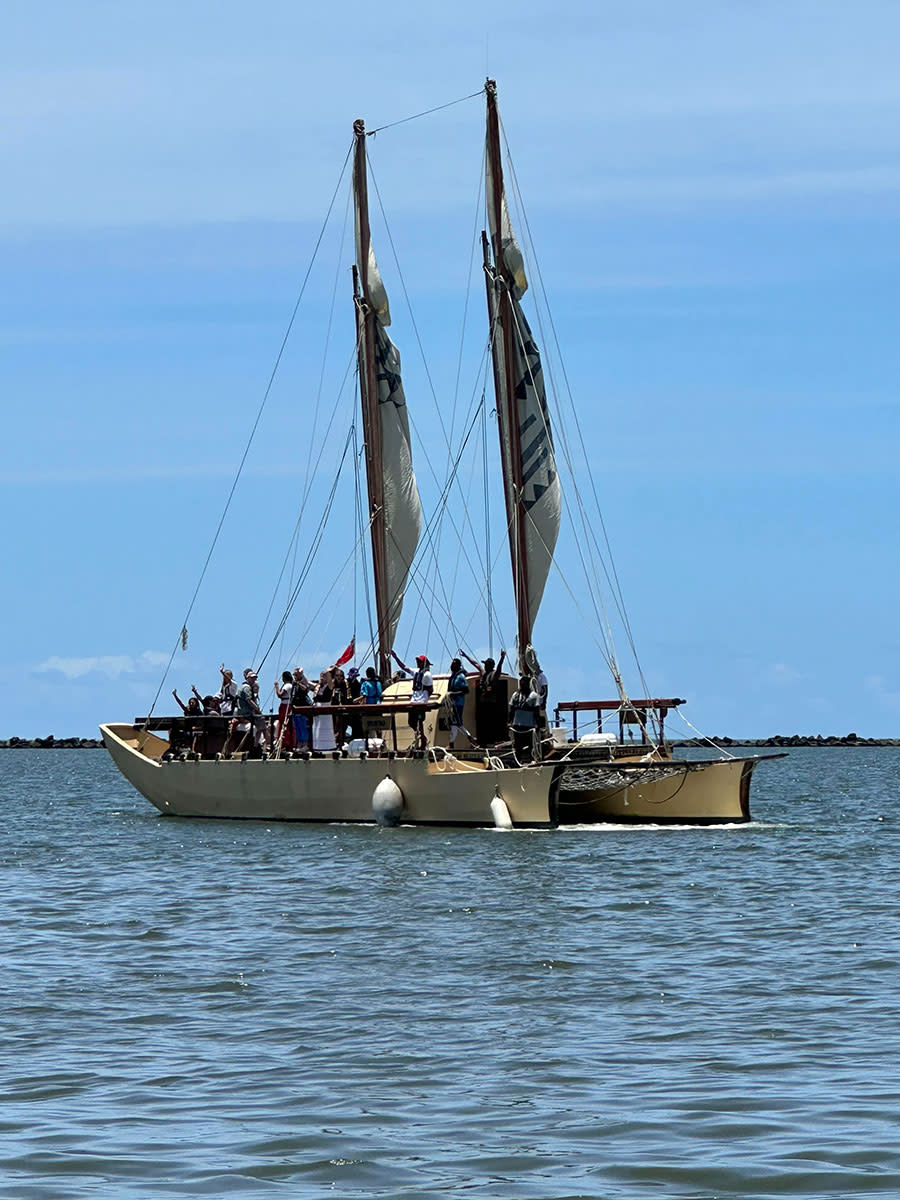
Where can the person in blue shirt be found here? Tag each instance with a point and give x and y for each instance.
(371, 688)
(457, 689)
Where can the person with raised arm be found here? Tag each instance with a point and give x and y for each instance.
(422, 689)
(227, 695)
(490, 700)
(209, 704)
(457, 690)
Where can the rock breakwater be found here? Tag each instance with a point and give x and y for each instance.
(50, 743)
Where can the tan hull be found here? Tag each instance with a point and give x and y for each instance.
(703, 793)
(322, 789)
(325, 789)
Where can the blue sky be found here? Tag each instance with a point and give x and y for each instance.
(713, 189)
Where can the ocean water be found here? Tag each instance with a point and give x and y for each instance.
(199, 1008)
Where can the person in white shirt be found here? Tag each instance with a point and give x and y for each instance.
(422, 689)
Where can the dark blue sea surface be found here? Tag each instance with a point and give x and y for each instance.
(210, 1008)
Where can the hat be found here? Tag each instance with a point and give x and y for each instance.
(423, 659)
(353, 672)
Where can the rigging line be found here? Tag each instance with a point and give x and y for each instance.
(462, 333)
(442, 503)
(615, 585)
(704, 737)
(421, 347)
(313, 549)
(426, 113)
(487, 524)
(444, 493)
(462, 336)
(284, 341)
(605, 649)
(434, 543)
(300, 514)
(452, 480)
(337, 275)
(497, 626)
(361, 523)
(333, 599)
(317, 541)
(409, 308)
(455, 575)
(512, 308)
(353, 552)
(295, 541)
(590, 537)
(600, 614)
(431, 386)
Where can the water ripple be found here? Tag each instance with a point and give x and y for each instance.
(217, 1009)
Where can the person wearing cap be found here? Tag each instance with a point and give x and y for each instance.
(249, 714)
(457, 689)
(227, 695)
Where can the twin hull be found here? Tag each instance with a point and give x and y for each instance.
(449, 793)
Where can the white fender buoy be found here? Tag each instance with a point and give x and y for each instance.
(387, 802)
(500, 813)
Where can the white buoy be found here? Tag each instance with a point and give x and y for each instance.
(387, 802)
(500, 813)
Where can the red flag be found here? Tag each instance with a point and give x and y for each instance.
(348, 653)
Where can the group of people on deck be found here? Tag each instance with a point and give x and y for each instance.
(497, 720)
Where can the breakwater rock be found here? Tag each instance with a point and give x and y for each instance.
(50, 743)
(794, 739)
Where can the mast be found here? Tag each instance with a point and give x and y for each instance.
(499, 287)
(368, 390)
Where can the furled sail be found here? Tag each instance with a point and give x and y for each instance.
(395, 510)
(533, 496)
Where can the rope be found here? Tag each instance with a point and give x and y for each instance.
(437, 407)
(294, 537)
(284, 341)
(614, 583)
(317, 541)
(426, 113)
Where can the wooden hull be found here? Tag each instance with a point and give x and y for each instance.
(460, 793)
(670, 792)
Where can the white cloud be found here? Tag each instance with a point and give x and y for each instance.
(113, 666)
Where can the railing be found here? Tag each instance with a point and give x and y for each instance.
(634, 712)
(210, 733)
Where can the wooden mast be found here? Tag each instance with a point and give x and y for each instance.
(500, 283)
(368, 390)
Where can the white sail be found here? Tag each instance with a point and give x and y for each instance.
(402, 509)
(402, 512)
(525, 434)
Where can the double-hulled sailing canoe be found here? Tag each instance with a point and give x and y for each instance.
(569, 780)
